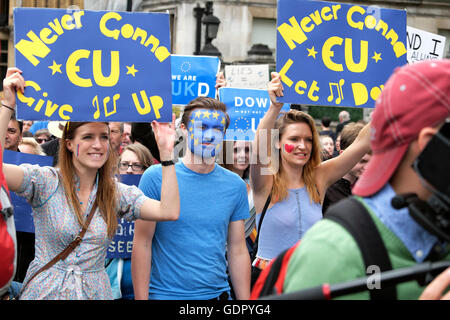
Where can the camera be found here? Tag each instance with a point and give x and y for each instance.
(433, 168)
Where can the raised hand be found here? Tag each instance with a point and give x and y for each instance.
(12, 82)
(275, 88)
(220, 80)
(165, 138)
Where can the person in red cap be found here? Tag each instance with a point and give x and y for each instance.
(413, 106)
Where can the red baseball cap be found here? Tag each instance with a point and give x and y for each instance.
(414, 97)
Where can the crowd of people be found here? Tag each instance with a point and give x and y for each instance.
(209, 222)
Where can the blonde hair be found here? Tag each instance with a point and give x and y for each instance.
(30, 141)
(107, 195)
(279, 188)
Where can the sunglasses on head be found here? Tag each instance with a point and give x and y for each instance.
(41, 140)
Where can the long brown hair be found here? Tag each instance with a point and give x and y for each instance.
(106, 192)
(279, 188)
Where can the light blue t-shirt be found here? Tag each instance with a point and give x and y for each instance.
(417, 240)
(188, 255)
(286, 222)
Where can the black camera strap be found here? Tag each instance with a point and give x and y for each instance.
(354, 217)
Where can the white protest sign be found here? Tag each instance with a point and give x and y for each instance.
(423, 45)
(247, 76)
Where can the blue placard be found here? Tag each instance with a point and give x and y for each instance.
(192, 77)
(23, 217)
(121, 245)
(246, 107)
(93, 65)
(337, 54)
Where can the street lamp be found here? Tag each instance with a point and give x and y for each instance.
(211, 23)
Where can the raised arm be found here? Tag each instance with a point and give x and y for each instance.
(169, 206)
(262, 181)
(332, 170)
(13, 82)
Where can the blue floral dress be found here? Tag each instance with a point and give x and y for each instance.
(82, 274)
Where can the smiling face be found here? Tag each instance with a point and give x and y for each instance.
(205, 132)
(89, 146)
(296, 143)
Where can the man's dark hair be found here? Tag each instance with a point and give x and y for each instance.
(326, 121)
(20, 123)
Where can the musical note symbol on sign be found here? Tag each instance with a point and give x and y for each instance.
(339, 90)
(105, 103)
(95, 104)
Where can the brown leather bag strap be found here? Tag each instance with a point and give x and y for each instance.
(65, 253)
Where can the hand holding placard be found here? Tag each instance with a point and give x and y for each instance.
(275, 88)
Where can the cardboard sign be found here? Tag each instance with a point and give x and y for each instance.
(23, 217)
(247, 76)
(93, 65)
(192, 77)
(423, 45)
(246, 107)
(121, 245)
(337, 54)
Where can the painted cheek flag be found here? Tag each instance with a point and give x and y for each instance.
(93, 65)
(337, 54)
(192, 77)
(245, 107)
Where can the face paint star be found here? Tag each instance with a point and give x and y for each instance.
(55, 67)
(223, 121)
(206, 114)
(376, 56)
(131, 70)
(215, 115)
(196, 142)
(198, 114)
(312, 52)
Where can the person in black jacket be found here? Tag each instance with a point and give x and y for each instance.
(343, 187)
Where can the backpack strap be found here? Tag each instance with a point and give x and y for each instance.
(354, 217)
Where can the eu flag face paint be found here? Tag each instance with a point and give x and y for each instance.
(206, 130)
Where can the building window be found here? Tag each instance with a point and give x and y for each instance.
(446, 34)
(264, 32)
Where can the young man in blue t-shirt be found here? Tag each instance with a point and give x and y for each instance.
(185, 259)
